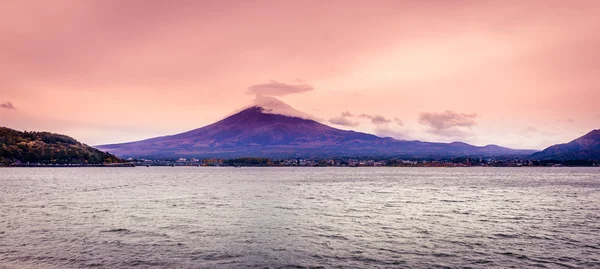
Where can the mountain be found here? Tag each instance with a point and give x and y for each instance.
(586, 147)
(49, 148)
(261, 131)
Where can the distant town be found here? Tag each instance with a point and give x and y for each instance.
(363, 162)
(329, 162)
(359, 162)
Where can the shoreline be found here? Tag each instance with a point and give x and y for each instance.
(258, 166)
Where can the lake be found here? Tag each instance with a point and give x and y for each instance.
(217, 217)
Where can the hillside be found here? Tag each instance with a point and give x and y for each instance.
(586, 147)
(48, 148)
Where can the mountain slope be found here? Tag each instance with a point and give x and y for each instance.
(586, 147)
(44, 147)
(258, 132)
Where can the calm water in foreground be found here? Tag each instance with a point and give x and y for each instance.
(299, 217)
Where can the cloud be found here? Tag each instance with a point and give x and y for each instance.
(528, 130)
(274, 88)
(7, 105)
(384, 131)
(569, 120)
(448, 123)
(447, 119)
(275, 106)
(376, 119)
(399, 122)
(344, 120)
(531, 131)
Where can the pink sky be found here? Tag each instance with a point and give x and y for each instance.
(521, 74)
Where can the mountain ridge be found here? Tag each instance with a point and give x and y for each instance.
(48, 148)
(260, 132)
(586, 147)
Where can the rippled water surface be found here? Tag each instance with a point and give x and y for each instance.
(195, 217)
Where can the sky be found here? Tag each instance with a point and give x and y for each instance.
(521, 74)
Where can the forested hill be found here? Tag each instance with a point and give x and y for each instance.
(47, 148)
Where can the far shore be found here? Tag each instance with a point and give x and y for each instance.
(281, 166)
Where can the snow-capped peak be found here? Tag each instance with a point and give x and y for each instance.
(272, 105)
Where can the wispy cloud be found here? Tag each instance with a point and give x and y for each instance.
(376, 119)
(274, 88)
(569, 120)
(448, 123)
(344, 120)
(531, 131)
(399, 122)
(7, 105)
(385, 131)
